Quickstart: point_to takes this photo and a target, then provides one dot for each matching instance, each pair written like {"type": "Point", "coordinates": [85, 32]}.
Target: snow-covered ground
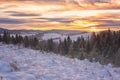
{"type": "Point", "coordinates": [57, 36]}
{"type": "Point", "coordinates": [84, 35]}
{"type": "Point", "coordinates": [25, 64]}
{"type": "Point", "coordinates": [47, 36]}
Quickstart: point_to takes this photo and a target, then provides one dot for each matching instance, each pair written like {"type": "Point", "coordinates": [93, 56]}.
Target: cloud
{"type": "Point", "coordinates": [61, 20]}
{"type": "Point", "coordinates": [101, 20]}
{"type": "Point", "coordinates": [21, 14]}
{"type": "Point", "coordinates": [107, 23]}
{"type": "Point", "coordinates": [69, 4]}
{"type": "Point", "coordinates": [104, 20]}
{"type": "Point", "coordinates": [3, 6]}
{"type": "Point", "coordinates": [11, 21]}
{"type": "Point", "coordinates": [98, 1]}
{"type": "Point", "coordinates": [69, 14]}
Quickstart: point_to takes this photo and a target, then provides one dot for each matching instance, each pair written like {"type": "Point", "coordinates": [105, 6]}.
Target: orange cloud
{"type": "Point", "coordinates": [60, 14]}
{"type": "Point", "coordinates": [66, 4]}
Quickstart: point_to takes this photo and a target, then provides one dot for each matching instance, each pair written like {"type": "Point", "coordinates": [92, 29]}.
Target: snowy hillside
{"type": "Point", "coordinates": [21, 32]}
{"type": "Point", "coordinates": [25, 64]}
{"type": "Point", "coordinates": [57, 36]}
{"type": "Point", "coordinates": [53, 36]}
{"type": "Point", "coordinates": [64, 31]}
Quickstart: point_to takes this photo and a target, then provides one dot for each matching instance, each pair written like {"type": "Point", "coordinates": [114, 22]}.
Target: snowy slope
{"type": "Point", "coordinates": [57, 36]}
{"type": "Point", "coordinates": [25, 64]}
{"type": "Point", "coordinates": [21, 32]}
{"type": "Point", "coordinates": [84, 35]}
{"type": "Point", "coordinates": [47, 36]}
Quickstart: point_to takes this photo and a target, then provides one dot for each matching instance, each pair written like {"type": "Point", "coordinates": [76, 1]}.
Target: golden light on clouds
{"type": "Point", "coordinates": [94, 29]}
{"type": "Point", "coordinates": [87, 15]}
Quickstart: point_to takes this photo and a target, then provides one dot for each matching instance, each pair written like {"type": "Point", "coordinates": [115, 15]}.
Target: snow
{"type": "Point", "coordinates": [56, 36]}
{"type": "Point", "coordinates": [34, 65]}
{"type": "Point", "coordinates": [4, 67]}
{"type": "Point", "coordinates": [85, 36]}
{"type": "Point", "coordinates": [52, 35]}
{"type": "Point", "coordinates": [18, 76]}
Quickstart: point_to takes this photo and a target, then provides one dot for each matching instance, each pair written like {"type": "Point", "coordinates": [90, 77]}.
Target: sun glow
{"type": "Point", "coordinates": [95, 29]}
{"type": "Point", "coordinates": [83, 23]}
{"type": "Point", "coordinates": [58, 14]}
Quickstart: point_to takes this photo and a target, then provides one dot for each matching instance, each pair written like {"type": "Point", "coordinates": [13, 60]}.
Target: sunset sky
{"type": "Point", "coordinates": [87, 15]}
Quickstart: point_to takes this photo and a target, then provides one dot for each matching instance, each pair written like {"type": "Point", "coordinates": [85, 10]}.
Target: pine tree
{"type": "Point", "coordinates": [50, 45]}
{"type": "Point", "coordinates": [59, 46]}
{"type": "Point", "coordinates": [0, 38]}
{"type": "Point", "coordinates": [6, 37]}
{"type": "Point", "coordinates": [117, 58]}
{"type": "Point", "coordinates": [16, 39]}
{"type": "Point", "coordinates": [65, 47]}
{"type": "Point", "coordinates": [35, 43]}
{"type": "Point", "coordinates": [88, 47]}
{"type": "Point", "coordinates": [26, 41]}
{"type": "Point", "coordinates": [20, 39]}
{"type": "Point", "coordinates": [13, 40]}
{"type": "Point", "coordinates": [69, 41]}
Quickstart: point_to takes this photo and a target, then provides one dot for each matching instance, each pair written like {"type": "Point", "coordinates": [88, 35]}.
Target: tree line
{"type": "Point", "coordinates": [103, 46]}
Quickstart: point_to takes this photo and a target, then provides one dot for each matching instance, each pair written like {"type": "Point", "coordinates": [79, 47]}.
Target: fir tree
{"type": "Point", "coordinates": [0, 38]}
{"type": "Point", "coordinates": [26, 41]}
{"type": "Point", "coordinates": [50, 45]}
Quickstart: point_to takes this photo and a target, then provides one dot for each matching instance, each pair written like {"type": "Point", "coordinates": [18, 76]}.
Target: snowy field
{"type": "Point", "coordinates": [26, 64]}
{"type": "Point", "coordinates": [57, 36]}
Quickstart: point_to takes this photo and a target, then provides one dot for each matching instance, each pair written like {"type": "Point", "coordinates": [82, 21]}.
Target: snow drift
{"type": "Point", "coordinates": [34, 65]}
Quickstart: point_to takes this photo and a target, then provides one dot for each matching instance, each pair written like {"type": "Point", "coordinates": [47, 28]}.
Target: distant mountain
{"type": "Point", "coordinates": [65, 32]}
{"type": "Point", "coordinates": [22, 32]}
{"type": "Point", "coordinates": [2, 30]}
{"type": "Point", "coordinates": [61, 34]}
{"type": "Point", "coordinates": [38, 33]}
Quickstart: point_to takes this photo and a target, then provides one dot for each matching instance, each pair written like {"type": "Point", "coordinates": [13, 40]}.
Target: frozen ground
{"type": "Point", "coordinates": [25, 64]}
{"type": "Point", "coordinates": [57, 36]}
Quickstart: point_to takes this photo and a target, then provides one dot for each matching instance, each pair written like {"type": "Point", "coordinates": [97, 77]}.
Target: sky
{"type": "Point", "coordinates": [86, 15]}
